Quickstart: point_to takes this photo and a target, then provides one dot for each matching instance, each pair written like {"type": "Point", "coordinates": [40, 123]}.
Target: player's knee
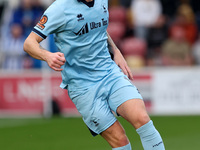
{"type": "Point", "coordinates": [141, 120]}
{"type": "Point", "coordinates": [122, 140]}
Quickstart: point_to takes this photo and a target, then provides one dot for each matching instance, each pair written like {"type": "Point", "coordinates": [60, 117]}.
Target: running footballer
{"type": "Point", "coordinates": [96, 84]}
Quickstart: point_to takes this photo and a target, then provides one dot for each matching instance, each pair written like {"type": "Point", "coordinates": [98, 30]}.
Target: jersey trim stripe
{"type": "Point", "coordinates": [39, 33]}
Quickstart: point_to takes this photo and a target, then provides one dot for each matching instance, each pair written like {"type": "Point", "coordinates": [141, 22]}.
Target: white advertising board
{"type": "Point", "coordinates": [176, 91]}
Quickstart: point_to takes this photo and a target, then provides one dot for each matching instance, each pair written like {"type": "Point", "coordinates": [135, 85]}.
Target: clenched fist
{"type": "Point", "coordinates": [55, 60]}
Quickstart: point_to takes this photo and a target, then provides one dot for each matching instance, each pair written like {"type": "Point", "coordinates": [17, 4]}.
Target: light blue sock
{"type": "Point", "coordinates": [150, 137]}
{"type": "Point", "coordinates": [126, 147]}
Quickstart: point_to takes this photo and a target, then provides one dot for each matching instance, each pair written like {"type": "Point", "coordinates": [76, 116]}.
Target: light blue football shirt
{"type": "Point", "coordinates": [80, 33]}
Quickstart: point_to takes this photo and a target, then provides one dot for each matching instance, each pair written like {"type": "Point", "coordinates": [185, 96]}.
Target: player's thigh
{"type": "Point", "coordinates": [123, 94]}
{"type": "Point", "coordinates": [134, 111]}
{"type": "Point", "coordinates": [94, 108]}
{"type": "Point", "coordinates": [115, 135]}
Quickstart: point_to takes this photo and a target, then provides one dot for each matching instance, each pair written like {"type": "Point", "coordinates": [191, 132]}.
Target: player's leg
{"type": "Point", "coordinates": [97, 115]}
{"type": "Point", "coordinates": [116, 137]}
{"type": "Point", "coordinates": [134, 111]}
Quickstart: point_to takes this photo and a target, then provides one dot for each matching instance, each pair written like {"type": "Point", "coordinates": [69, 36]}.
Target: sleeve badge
{"type": "Point", "coordinates": [41, 23]}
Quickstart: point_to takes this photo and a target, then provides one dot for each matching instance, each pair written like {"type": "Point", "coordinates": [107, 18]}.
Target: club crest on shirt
{"type": "Point", "coordinates": [41, 23]}
{"type": "Point", "coordinates": [104, 8]}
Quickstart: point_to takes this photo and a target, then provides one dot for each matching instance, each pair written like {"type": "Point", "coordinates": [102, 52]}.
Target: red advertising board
{"type": "Point", "coordinates": [25, 93]}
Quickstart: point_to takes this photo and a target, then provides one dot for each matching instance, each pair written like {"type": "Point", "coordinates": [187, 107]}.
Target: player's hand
{"type": "Point", "coordinates": [121, 62]}
{"type": "Point", "coordinates": [55, 60]}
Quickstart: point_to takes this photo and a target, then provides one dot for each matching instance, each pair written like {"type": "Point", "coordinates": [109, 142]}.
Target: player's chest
{"type": "Point", "coordinates": [84, 19]}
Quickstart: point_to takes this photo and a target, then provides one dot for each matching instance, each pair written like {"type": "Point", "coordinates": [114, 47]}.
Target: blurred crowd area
{"type": "Point", "coordinates": [148, 32]}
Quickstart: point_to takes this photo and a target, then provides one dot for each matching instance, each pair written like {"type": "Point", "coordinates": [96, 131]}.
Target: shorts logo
{"type": "Point", "coordinates": [95, 121]}
{"type": "Point", "coordinates": [42, 21]}
{"type": "Point", "coordinates": [138, 91]}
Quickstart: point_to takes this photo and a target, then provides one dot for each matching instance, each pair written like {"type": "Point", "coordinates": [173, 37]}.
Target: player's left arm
{"type": "Point", "coordinates": [118, 58]}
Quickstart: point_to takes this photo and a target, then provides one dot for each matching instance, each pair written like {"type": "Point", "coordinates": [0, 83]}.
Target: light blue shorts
{"type": "Point", "coordinates": [97, 104]}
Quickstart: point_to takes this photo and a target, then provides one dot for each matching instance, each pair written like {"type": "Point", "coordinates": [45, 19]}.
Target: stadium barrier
{"type": "Point", "coordinates": [27, 94]}
{"type": "Point", "coordinates": [166, 91]}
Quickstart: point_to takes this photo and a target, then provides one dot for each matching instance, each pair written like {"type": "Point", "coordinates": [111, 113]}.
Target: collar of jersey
{"type": "Point", "coordinates": [89, 4]}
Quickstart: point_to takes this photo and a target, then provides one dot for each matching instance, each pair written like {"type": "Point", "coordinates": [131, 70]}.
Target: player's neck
{"type": "Point", "coordinates": [88, 0]}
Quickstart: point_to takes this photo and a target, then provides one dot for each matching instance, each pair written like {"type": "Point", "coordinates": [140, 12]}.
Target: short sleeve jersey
{"type": "Point", "coordinates": [80, 33]}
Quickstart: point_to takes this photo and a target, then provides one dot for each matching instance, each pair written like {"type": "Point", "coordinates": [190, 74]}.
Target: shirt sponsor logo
{"type": "Point", "coordinates": [92, 26]}
{"type": "Point", "coordinates": [83, 30]}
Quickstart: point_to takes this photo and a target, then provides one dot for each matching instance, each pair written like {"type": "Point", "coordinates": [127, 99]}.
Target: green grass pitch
{"type": "Point", "coordinates": [178, 133]}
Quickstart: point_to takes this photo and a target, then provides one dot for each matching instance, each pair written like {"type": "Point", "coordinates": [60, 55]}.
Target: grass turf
{"type": "Point", "coordinates": [178, 133]}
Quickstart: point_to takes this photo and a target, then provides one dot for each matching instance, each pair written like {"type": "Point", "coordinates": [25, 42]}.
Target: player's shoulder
{"type": "Point", "coordinates": [58, 3]}
{"type": "Point", "coordinates": [61, 5]}
{"type": "Point", "coordinates": [64, 3]}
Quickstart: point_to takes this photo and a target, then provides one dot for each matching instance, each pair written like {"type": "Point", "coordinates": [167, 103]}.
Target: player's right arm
{"type": "Point", "coordinates": [52, 21]}
{"type": "Point", "coordinates": [33, 48]}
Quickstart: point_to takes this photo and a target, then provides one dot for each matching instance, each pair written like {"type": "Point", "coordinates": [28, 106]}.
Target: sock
{"type": "Point", "coordinates": [126, 147]}
{"type": "Point", "coordinates": [150, 137]}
